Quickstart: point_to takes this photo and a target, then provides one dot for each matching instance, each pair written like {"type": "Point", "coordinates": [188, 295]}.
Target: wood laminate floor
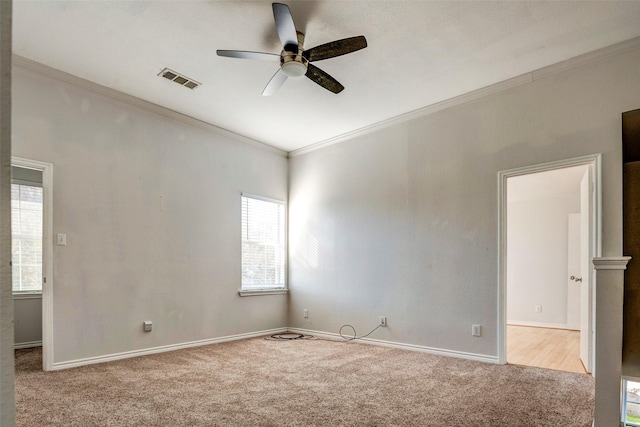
{"type": "Point", "coordinates": [557, 349]}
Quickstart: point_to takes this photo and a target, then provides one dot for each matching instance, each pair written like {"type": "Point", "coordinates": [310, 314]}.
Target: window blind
{"type": "Point", "coordinates": [263, 244]}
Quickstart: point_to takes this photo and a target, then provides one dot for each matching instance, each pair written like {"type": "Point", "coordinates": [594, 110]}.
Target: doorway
{"type": "Point", "coordinates": [32, 254]}
{"type": "Point", "coordinates": [548, 228]}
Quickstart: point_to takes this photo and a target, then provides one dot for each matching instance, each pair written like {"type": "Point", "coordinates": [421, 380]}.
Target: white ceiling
{"type": "Point", "coordinates": [419, 53]}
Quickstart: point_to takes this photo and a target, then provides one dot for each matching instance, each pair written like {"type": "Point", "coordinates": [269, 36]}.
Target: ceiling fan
{"type": "Point", "coordinates": [294, 60]}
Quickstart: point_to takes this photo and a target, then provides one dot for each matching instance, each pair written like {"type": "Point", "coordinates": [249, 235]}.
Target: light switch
{"type": "Point", "coordinates": [61, 239]}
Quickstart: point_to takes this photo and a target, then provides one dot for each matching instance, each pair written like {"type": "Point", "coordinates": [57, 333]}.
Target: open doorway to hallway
{"type": "Point", "coordinates": [547, 232]}
{"type": "Point", "coordinates": [31, 218]}
{"type": "Point", "coordinates": [26, 255]}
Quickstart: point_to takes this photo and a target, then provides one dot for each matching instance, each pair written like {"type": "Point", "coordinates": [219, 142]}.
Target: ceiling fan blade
{"type": "Point", "coordinates": [323, 79]}
{"type": "Point", "coordinates": [285, 27]}
{"type": "Point", "coordinates": [260, 56]}
{"type": "Point", "coordinates": [274, 84]}
{"type": "Point", "coordinates": [335, 48]}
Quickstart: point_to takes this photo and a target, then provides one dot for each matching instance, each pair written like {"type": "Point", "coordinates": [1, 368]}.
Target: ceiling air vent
{"type": "Point", "coordinates": [179, 78]}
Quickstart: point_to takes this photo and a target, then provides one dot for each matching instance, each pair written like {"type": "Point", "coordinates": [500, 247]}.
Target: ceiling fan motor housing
{"type": "Point", "coordinates": [293, 64]}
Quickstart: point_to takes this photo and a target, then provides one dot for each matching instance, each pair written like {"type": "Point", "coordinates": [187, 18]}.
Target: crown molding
{"type": "Point", "coordinates": [28, 64]}
{"type": "Point", "coordinates": [599, 55]}
{"type": "Point", "coordinates": [595, 56]}
{"type": "Point", "coordinates": [588, 58]}
{"type": "Point", "coordinates": [421, 112]}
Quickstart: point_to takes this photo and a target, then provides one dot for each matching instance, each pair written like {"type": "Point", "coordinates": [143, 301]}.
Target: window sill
{"type": "Point", "coordinates": [263, 292]}
{"type": "Point", "coordinates": [27, 295]}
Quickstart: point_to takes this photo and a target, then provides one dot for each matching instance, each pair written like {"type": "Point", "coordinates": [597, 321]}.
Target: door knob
{"type": "Point", "coordinates": [577, 279]}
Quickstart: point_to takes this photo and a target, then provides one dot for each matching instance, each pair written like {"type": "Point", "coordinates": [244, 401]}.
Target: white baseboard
{"type": "Point", "coordinates": [28, 344]}
{"type": "Point", "coordinates": [540, 325]}
{"type": "Point", "coordinates": [135, 353]}
{"type": "Point", "coordinates": [154, 350]}
{"type": "Point", "coordinates": [431, 350]}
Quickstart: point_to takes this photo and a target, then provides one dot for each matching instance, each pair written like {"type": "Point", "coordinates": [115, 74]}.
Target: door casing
{"type": "Point", "coordinates": [47, 254]}
{"type": "Point", "coordinates": [594, 162]}
{"type": "Point", "coordinates": [587, 295]}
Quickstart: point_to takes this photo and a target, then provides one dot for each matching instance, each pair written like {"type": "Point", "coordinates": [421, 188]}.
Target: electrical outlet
{"type": "Point", "coordinates": [476, 330]}
{"type": "Point", "coordinates": [147, 325]}
{"type": "Point", "coordinates": [538, 309]}
{"type": "Point", "coordinates": [306, 313]}
{"type": "Point", "coordinates": [383, 321]}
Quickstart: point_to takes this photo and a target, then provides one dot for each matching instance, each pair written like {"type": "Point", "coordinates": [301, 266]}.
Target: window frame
{"type": "Point", "coordinates": [274, 290]}
{"type": "Point", "coordinates": [27, 293]}
{"type": "Point", "coordinates": [625, 381]}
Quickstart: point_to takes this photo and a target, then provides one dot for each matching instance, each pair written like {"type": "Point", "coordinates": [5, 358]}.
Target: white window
{"type": "Point", "coordinates": [263, 244]}
{"type": "Point", "coordinates": [631, 403]}
{"type": "Point", "coordinates": [26, 238]}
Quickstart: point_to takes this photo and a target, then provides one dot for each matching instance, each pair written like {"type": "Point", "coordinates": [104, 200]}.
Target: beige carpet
{"type": "Point", "coordinates": [258, 382]}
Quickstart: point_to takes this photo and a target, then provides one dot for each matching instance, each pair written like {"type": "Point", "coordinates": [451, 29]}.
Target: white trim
{"type": "Point", "coordinates": [595, 162]}
{"type": "Point", "coordinates": [274, 290]}
{"type": "Point", "coordinates": [540, 325]}
{"type": "Point", "coordinates": [264, 199]}
{"type": "Point", "coordinates": [40, 68]}
{"type": "Point", "coordinates": [412, 347]}
{"type": "Point", "coordinates": [257, 292]}
{"type": "Point", "coordinates": [558, 164]}
{"type": "Point", "coordinates": [421, 112]}
{"type": "Point", "coordinates": [602, 54]}
{"type": "Point", "coordinates": [611, 263]}
{"type": "Point", "coordinates": [27, 295]}
{"type": "Point", "coordinates": [608, 339]}
{"type": "Point", "coordinates": [162, 349]}
{"type": "Point", "coordinates": [28, 344]}
{"type": "Point", "coordinates": [539, 74]}
{"type": "Point", "coordinates": [588, 58]}
{"type": "Point", "coordinates": [623, 398]}
{"type": "Point", "coordinates": [47, 254]}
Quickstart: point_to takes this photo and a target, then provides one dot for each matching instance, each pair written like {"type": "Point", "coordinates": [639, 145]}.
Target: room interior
{"type": "Point", "coordinates": [543, 261]}
{"type": "Point", "coordinates": [391, 186]}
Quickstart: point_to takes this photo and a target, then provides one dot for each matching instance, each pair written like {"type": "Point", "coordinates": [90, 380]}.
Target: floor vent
{"type": "Point", "coordinates": [179, 78]}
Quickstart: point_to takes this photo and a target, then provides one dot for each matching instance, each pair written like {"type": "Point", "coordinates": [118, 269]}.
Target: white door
{"type": "Point", "coordinates": [574, 272]}
{"type": "Point", "coordinates": [586, 300]}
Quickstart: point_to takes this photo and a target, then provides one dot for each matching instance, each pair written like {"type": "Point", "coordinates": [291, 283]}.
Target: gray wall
{"type": "Point", "coordinates": [400, 222]}
{"type": "Point", "coordinates": [27, 318]}
{"type": "Point", "coordinates": [151, 209]}
{"type": "Point", "coordinates": [403, 221]}
{"type": "Point", "coordinates": [537, 258]}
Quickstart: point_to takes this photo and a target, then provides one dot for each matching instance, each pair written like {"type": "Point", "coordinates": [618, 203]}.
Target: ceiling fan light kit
{"type": "Point", "coordinates": [294, 60]}
{"type": "Point", "coordinates": [294, 69]}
